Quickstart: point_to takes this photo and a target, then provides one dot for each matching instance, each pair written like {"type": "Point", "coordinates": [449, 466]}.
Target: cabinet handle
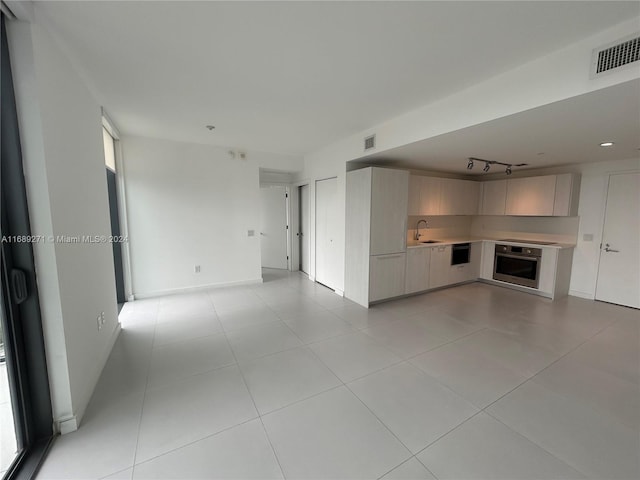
{"type": "Point", "coordinates": [395, 255]}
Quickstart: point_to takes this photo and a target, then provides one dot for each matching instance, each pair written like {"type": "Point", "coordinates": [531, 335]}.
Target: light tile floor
{"type": "Point", "coordinates": [288, 380]}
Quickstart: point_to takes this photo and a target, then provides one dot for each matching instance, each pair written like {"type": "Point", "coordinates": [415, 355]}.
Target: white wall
{"type": "Point", "coordinates": [191, 205]}
{"type": "Point", "coordinates": [558, 76]}
{"type": "Point", "coordinates": [61, 134]}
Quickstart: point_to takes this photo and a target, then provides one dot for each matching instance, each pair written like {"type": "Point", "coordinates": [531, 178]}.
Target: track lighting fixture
{"type": "Point", "coordinates": [488, 163]}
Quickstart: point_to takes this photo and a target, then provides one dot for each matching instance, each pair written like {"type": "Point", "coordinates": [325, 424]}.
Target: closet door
{"type": "Point", "coordinates": [326, 228]}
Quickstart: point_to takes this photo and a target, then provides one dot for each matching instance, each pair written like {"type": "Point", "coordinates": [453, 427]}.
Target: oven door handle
{"type": "Point", "coordinates": [518, 257]}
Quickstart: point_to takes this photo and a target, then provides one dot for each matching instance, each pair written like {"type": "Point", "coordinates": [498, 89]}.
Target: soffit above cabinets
{"type": "Point", "coordinates": [561, 133]}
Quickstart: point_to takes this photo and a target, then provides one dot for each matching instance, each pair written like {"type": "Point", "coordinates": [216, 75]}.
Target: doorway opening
{"type": "Point", "coordinates": [109, 141]}
{"type": "Point", "coordinates": [303, 228]}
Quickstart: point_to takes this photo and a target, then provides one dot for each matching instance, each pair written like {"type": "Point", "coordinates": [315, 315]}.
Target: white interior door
{"type": "Point", "coordinates": [273, 227]}
{"type": "Point", "coordinates": [326, 258]}
{"type": "Point", "coordinates": [618, 274]}
{"type": "Point", "coordinates": [303, 234]}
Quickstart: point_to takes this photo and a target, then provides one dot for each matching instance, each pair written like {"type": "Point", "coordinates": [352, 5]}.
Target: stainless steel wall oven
{"type": "Point", "coordinates": [517, 265]}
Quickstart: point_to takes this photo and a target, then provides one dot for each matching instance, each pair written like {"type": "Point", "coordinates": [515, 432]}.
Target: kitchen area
{"type": "Point", "coordinates": [408, 233]}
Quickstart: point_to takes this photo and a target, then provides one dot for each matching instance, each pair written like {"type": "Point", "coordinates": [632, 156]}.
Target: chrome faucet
{"type": "Point", "coordinates": [426, 225]}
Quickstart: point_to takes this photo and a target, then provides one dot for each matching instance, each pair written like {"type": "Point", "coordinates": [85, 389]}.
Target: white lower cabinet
{"type": "Point", "coordinates": [386, 276]}
{"type": "Point", "coordinates": [439, 266]}
{"type": "Point", "coordinates": [417, 270]}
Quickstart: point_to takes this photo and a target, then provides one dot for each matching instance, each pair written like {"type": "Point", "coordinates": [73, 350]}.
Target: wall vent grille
{"type": "Point", "coordinates": [617, 55]}
{"type": "Point", "coordinates": [370, 142]}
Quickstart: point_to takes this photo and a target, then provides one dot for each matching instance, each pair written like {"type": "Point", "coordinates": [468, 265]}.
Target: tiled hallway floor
{"type": "Point", "coordinates": [286, 379]}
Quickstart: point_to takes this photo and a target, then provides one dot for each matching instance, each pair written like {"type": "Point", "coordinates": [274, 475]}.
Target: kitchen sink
{"type": "Point", "coordinates": [429, 241]}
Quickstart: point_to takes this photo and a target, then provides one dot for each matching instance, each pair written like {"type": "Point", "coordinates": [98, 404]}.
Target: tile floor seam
{"type": "Point", "coordinates": [383, 424]}
{"type": "Point", "coordinates": [113, 473]}
{"type": "Point", "coordinates": [176, 342]}
{"type": "Point", "coordinates": [193, 442]}
{"type": "Point", "coordinates": [531, 377]}
{"type": "Point", "coordinates": [398, 466]}
{"type": "Point", "coordinates": [539, 446]}
{"type": "Point", "coordinates": [255, 406]}
{"type": "Point", "coordinates": [144, 395]}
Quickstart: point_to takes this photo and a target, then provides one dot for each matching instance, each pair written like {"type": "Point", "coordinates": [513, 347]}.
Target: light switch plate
{"type": "Point", "coordinates": [587, 237]}
{"type": "Point", "coordinates": [251, 233]}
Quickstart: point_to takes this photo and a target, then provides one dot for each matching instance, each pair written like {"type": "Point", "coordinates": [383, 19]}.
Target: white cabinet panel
{"type": "Point", "coordinates": [430, 190]}
{"type": "Point", "coordinates": [567, 192]}
{"type": "Point", "coordinates": [494, 197]}
{"type": "Point", "coordinates": [486, 261]}
{"type": "Point", "coordinates": [389, 194]}
{"type": "Point", "coordinates": [417, 270]}
{"type": "Point", "coordinates": [531, 195]}
{"type": "Point", "coordinates": [439, 266]}
{"type": "Point", "coordinates": [386, 276]}
{"type": "Point", "coordinates": [458, 197]}
{"type": "Point", "coordinates": [415, 185]}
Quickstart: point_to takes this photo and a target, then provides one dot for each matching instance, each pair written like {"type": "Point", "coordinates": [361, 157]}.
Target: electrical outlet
{"type": "Point", "coordinates": [197, 268]}
{"type": "Point", "coordinates": [99, 320]}
{"type": "Point", "coordinates": [102, 318]}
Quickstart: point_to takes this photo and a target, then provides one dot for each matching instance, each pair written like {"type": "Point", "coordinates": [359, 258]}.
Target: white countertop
{"type": "Point", "coordinates": [456, 240]}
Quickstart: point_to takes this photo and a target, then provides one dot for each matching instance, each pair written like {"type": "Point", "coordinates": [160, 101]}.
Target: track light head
{"type": "Point", "coordinates": [470, 164]}
{"type": "Point", "coordinates": [486, 167]}
{"type": "Point", "coordinates": [508, 170]}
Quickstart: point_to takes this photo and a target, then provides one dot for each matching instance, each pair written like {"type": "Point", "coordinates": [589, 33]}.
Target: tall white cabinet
{"type": "Point", "coordinates": [376, 234]}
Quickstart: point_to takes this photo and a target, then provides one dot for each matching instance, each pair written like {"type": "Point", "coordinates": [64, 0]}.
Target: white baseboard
{"type": "Point", "coordinates": [67, 425]}
{"type": "Point", "coordinates": [577, 293]}
{"type": "Point", "coordinates": [198, 288]}
{"type": "Point", "coordinates": [339, 292]}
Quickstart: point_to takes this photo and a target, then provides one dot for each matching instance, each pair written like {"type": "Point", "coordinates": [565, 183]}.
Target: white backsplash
{"type": "Point", "coordinates": [552, 229]}
{"type": "Point", "coordinates": [446, 226]}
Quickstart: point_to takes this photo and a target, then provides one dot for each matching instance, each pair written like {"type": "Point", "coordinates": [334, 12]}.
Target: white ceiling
{"type": "Point", "coordinates": [561, 133]}
{"type": "Point", "coordinates": [290, 77]}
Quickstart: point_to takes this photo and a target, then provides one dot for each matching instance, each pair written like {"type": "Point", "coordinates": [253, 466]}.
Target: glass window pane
{"type": "Point", "coordinates": [109, 150]}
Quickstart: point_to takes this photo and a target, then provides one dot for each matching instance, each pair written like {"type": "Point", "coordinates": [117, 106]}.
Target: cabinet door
{"type": "Point", "coordinates": [417, 270]}
{"type": "Point", "coordinates": [430, 188]}
{"type": "Point", "coordinates": [386, 276]}
{"type": "Point", "coordinates": [458, 197]}
{"type": "Point", "coordinates": [531, 196]}
{"type": "Point", "coordinates": [415, 184]}
{"type": "Point", "coordinates": [389, 195]}
{"type": "Point", "coordinates": [494, 197]}
{"type": "Point", "coordinates": [439, 266]}
{"type": "Point", "coordinates": [487, 258]}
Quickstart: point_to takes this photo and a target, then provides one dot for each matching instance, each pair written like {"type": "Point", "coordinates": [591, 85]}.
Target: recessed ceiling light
{"type": "Point", "coordinates": [210, 127]}
{"type": "Point", "coordinates": [606, 144]}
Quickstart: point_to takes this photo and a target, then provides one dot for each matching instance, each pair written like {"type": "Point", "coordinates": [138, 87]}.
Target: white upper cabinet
{"type": "Point", "coordinates": [531, 196]}
{"type": "Point", "coordinates": [389, 194]}
{"type": "Point", "coordinates": [442, 196]}
{"type": "Point", "coordinates": [494, 197]}
{"type": "Point", "coordinates": [458, 197]}
{"type": "Point", "coordinates": [549, 195]}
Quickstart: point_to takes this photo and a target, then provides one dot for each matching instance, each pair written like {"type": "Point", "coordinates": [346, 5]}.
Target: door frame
{"type": "Point", "coordinates": [295, 222]}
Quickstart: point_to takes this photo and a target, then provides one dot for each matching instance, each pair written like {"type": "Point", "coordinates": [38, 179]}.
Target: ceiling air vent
{"type": "Point", "coordinates": [615, 56]}
{"type": "Point", "coordinates": [370, 142]}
